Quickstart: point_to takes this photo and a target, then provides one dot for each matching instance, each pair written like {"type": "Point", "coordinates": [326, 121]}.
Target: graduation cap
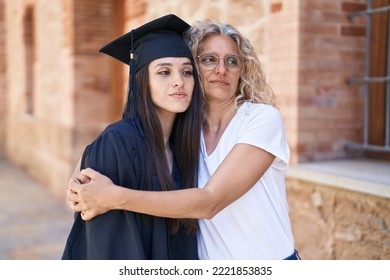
{"type": "Point", "coordinates": [162, 37]}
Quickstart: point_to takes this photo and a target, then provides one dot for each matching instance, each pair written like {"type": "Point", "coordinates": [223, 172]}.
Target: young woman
{"type": "Point", "coordinates": [154, 147]}
{"type": "Point", "coordinates": [241, 195]}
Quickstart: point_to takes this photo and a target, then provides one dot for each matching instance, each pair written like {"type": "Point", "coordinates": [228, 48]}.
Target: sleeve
{"type": "Point", "coordinates": [265, 129]}
{"type": "Point", "coordinates": [110, 155]}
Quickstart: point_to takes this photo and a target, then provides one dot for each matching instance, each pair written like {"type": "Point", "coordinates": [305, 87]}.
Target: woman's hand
{"type": "Point", "coordinates": [91, 193]}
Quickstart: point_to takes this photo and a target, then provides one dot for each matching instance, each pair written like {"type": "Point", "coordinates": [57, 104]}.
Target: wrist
{"type": "Point", "coordinates": [119, 201]}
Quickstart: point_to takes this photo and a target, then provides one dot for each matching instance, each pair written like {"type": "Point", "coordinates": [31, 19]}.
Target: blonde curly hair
{"type": "Point", "coordinates": [252, 86]}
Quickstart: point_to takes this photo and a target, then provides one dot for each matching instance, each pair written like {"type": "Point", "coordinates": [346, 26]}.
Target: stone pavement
{"type": "Point", "coordinates": [33, 223]}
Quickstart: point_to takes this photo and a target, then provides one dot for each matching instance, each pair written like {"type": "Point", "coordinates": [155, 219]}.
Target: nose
{"type": "Point", "coordinates": [178, 81]}
{"type": "Point", "coordinates": [221, 66]}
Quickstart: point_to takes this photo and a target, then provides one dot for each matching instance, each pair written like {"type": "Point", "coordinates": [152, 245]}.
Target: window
{"type": "Point", "coordinates": [28, 36]}
{"type": "Point", "coordinates": [376, 139]}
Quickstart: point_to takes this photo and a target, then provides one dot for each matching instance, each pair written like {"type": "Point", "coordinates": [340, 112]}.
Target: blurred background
{"type": "Point", "coordinates": [327, 61]}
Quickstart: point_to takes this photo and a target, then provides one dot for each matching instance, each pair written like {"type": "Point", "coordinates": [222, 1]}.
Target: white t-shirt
{"type": "Point", "coordinates": [257, 225]}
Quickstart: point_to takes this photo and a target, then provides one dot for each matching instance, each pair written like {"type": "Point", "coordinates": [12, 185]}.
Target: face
{"type": "Point", "coordinates": [171, 83]}
{"type": "Point", "coordinates": [219, 84]}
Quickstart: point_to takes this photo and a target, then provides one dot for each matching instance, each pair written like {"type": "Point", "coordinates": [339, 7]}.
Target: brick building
{"type": "Point", "coordinates": [57, 93]}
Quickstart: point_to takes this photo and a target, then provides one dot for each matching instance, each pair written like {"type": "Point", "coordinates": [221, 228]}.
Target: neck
{"type": "Point", "coordinates": [218, 116]}
{"type": "Point", "coordinates": [217, 120]}
{"type": "Point", "coordinates": [166, 126]}
{"type": "Point", "coordinates": [167, 121]}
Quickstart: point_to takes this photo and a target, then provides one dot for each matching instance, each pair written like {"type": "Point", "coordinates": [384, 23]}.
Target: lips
{"type": "Point", "coordinates": [178, 95]}
{"type": "Point", "coordinates": [223, 82]}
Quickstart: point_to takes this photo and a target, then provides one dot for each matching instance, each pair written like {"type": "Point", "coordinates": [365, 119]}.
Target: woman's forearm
{"type": "Point", "coordinates": [188, 203]}
{"type": "Point", "coordinates": [224, 187]}
{"type": "Point", "coordinates": [100, 195]}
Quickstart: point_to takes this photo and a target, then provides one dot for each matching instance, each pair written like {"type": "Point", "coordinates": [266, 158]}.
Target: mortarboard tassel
{"type": "Point", "coordinates": [132, 93]}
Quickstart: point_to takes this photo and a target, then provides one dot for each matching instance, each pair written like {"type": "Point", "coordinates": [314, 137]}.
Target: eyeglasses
{"type": "Point", "coordinates": [233, 62]}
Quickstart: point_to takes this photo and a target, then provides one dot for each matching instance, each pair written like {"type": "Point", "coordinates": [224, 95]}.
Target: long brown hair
{"type": "Point", "coordinates": [184, 140]}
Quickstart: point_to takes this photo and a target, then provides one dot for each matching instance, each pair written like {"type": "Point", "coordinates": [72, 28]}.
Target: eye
{"type": "Point", "coordinates": [233, 60]}
{"type": "Point", "coordinates": [208, 59]}
{"type": "Point", "coordinates": [164, 72]}
{"type": "Point", "coordinates": [188, 73]}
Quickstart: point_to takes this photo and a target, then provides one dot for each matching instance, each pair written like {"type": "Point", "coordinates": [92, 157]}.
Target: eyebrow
{"type": "Point", "coordinates": [170, 64]}
{"type": "Point", "coordinates": [233, 53]}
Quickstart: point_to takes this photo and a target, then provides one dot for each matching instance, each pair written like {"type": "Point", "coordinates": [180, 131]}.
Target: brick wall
{"type": "Point", "coordinates": [94, 72]}
{"type": "Point", "coordinates": [313, 49]}
{"type": "Point", "coordinates": [331, 51]}
{"type": "Point", "coordinates": [39, 138]}
{"type": "Point", "coordinates": [69, 81]}
{"type": "Point", "coordinates": [282, 54]}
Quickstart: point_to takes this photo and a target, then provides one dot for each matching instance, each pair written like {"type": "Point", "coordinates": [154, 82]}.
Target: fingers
{"type": "Point", "coordinates": [90, 173]}
{"type": "Point", "coordinates": [74, 187]}
{"type": "Point", "coordinates": [86, 216]}
{"type": "Point", "coordinates": [72, 196]}
{"type": "Point", "coordinates": [81, 178]}
{"type": "Point", "coordinates": [74, 203]}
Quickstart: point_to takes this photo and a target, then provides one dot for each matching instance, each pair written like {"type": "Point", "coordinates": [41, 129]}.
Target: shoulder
{"type": "Point", "coordinates": [264, 112]}
{"type": "Point", "coordinates": [114, 152]}
{"type": "Point", "coordinates": [120, 129]}
{"type": "Point", "coordinates": [256, 108]}
{"type": "Point", "coordinates": [121, 126]}
{"type": "Point", "coordinates": [263, 128]}
{"type": "Point", "coordinates": [117, 137]}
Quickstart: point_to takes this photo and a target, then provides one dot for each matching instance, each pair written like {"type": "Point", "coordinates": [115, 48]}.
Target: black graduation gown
{"type": "Point", "coordinates": [119, 153]}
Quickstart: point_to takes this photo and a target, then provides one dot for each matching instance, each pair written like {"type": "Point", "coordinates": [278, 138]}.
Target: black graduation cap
{"type": "Point", "coordinates": [162, 37]}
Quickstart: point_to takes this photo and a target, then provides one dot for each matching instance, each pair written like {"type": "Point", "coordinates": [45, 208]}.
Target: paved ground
{"type": "Point", "coordinates": [33, 223]}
